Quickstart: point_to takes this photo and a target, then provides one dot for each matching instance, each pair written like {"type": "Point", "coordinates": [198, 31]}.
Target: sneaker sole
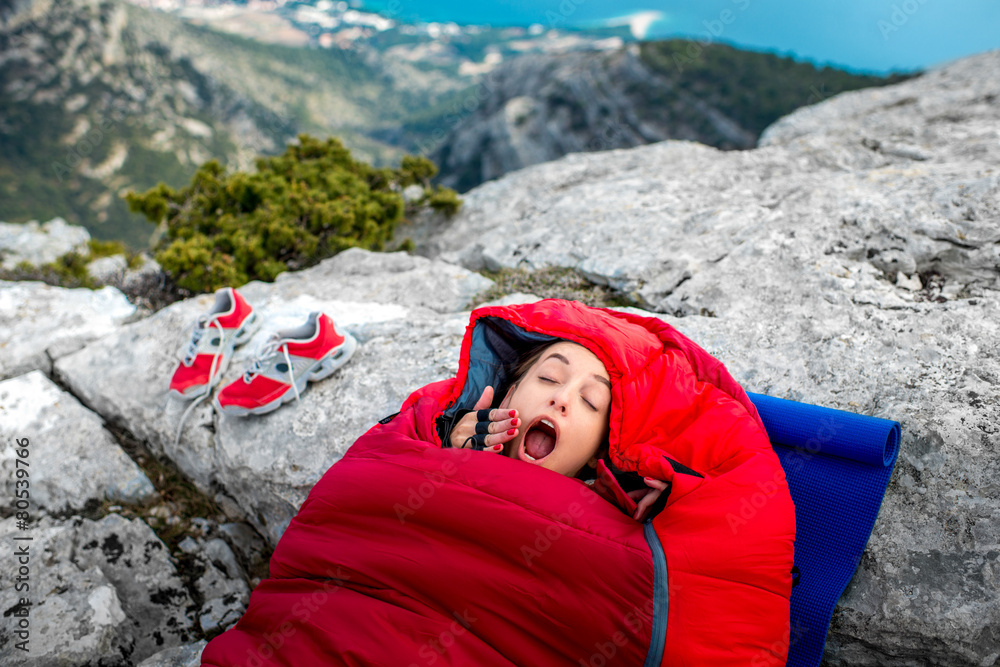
{"type": "Point", "coordinates": [322, 369]}
{"type": "Point", "coordinates": [250, 327]}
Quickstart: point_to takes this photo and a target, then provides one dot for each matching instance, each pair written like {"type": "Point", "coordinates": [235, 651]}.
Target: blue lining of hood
{"type": "Point", "coordinates": [497, 345]}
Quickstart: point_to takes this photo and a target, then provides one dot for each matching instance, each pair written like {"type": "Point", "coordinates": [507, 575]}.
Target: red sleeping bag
{"type": "Point", "coordinates": [406, 553]}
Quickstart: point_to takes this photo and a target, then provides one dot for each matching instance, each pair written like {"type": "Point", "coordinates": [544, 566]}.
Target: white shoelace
{"type": "Point", "coordinates": [270, 348]}
{"type": "Point", "coordinates": [200, 329]}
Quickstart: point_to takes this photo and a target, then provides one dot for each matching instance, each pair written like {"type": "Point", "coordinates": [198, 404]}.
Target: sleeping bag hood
{"type": "Point", "coordinates": [408, 552]}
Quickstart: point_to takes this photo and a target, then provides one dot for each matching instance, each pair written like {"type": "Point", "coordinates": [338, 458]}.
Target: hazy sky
{"type": "Point", "coordinates": [871, 35]}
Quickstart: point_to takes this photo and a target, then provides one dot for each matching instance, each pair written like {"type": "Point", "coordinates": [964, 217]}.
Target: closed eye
{"type": "Point", "coordinates": [590, 405]}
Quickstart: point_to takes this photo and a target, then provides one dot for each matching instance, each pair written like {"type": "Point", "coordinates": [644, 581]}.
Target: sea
{"type": "Point", "coordinates": [646, 21]}
{"type": "Point", "coordinates": [871, 36]}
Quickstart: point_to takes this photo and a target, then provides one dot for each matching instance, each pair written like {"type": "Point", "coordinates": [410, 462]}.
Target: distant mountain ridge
{"type": "Point", "coordinates": [543, 107]}
{"type": "Point", "coordinates": [101, 96]}
{"type": "Point", "coordinates": [89, 111]}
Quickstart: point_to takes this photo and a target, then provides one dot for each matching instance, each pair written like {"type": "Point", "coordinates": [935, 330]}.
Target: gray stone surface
{"type": "Point", "coordinates": [74, 462]}
{"type": "Point", "coordinates": [38, 244]}
{"type": "Point", "coordinates": [247, 545]}
{"type": "Point", "coordinates": [116, 272]}
{"type": "Point", "coordinates": [108, 269]}
{"type": "Point", "coordinates": [180, 656]}
{"type": "Point", "coordinates": [222, 583]}
{"type": "Point", "coordinates": [155, 600]}
{"type": "Point", "coordinates": [101, 592]}
{"type": "Point", "coordinates": [40, 323]}
{"type": "Point", "coordinates": [269, 463]}
{"type": "Point", "coordinates": [75, 614]}
{"type": "Point", "coordinates": [852, 262]}
{"type": "Point", "coordinates": [390, 278]}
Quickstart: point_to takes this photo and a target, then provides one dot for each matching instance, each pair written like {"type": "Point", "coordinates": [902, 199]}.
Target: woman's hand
{"type": "Point", "coordinates": [646, 497]}
{"type": "Point", "coordinates": [499, 428]}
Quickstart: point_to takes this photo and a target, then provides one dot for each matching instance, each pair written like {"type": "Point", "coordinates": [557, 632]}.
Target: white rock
{"type": "Point", "coordinates": [101, 592]}
{"type": "Point", "coordinates": [370, 277]}
{"type": "Point", "coordinates": [222, 583]}
{"type": "Point", "coordinates": [911, 283]}
{"type": "Point", "coordinates": [65, 627]}
{"type": "Point", "coordinates": [188, 655]}
{"type": "Point", "coordinates": [135, 561]}
{"type": "Point", "coordinates": [40, 323]}
{"type": "Point", "coordinates": [107, 608]}
{"type": "Point", "coordinates": [108, 269]}
{"type": "Point", "coordinates": [39, 244]}
{"type": "Point", "coordinates": [413, 192]}
{"type": "Point", "coordinates": [74, 461]}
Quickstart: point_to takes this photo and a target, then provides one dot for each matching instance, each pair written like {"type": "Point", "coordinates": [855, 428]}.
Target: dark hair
{"type": "Point", "coordinates": [529, 359]}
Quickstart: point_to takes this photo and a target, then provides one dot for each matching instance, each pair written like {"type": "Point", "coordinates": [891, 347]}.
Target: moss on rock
{"type": "Point", "coordinates": [550, 283]}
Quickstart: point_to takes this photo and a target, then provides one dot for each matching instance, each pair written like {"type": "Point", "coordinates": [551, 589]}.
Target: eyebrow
{"type": "Point", "coordinates": [556, 355]}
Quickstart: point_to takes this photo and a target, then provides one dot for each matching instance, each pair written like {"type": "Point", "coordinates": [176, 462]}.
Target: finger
{"type": "Point", "coordinates": [500, 414]}
{"type": "Point", "coordinates": [647, 501]}
{"type": "Point", "coordinates": [504, 424]}
{"type": "Point", "coordinates": [486, 400]}
{"type": "Point", "coordinates": [494, 449]}
{"type": "Point", "coordinates": [641, 507]}
{"type": "Point", "coordinates": [655, 483]}
{"type": "Point", "coordinates": [477, 441]}
{"type": "Point", "coordinates": [501, 438]}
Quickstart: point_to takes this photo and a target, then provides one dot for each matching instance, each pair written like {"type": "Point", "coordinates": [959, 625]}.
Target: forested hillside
{"type": "Point", "coordinates": [102, 97]}
{"type": "Point", "coordinates": [544, 106]}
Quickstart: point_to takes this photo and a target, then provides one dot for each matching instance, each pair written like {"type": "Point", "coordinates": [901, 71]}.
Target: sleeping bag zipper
{"type": "Point", "coordinates": [661, 602]}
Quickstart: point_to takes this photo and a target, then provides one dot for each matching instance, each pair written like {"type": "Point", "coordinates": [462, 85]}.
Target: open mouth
{"type": "Point", "coordinates": [539, 440]}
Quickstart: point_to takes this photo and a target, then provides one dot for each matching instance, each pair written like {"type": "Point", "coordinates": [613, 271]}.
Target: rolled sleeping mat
{"type": "Point", "coordinates": [837, 465]}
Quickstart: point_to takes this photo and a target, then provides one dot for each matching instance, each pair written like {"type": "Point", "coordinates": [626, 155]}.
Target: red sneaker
{"type": "Point", "coordinates": [288, 361]}
{"type": "Point", "coordinates": [231, 322]}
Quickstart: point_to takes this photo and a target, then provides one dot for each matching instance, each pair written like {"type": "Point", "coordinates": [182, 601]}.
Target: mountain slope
{"type": "Point", "coordinates": [543, 107]}
{"type": "Point", "coordinates": [89, 112]}
{"type": "Point", "coordinates": [99, 96]}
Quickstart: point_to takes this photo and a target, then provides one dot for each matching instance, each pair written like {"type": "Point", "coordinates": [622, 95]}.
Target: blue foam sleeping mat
{"type": "Point", "coordinates": [838, 465]}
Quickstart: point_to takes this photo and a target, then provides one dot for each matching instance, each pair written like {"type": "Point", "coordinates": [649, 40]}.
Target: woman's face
{"type": "Point", "coordinates": [563, 402]}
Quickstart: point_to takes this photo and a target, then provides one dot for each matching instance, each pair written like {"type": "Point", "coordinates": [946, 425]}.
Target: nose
{"type": "Point", "coordinates": [560, 399]}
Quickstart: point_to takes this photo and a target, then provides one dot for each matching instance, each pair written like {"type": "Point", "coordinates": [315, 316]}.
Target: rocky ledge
{"type": "Point", "coordinates": [851, 261]}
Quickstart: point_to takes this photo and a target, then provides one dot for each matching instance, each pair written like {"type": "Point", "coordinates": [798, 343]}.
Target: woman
{"type": "Point", "coordinates": [564, 392]}
{"type": "Point", "coordinates": [410, 552]}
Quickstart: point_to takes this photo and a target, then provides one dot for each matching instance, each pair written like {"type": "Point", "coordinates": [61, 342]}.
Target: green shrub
{"type": "Point", "coordinates": [416, 170]}
{"type": "Point", "coordinates": [69, 270]}
{"type": "Point", "coordinates": [442, 199]}
{"type": "Point", "coordinates": [314, 201]}
{"type": "Point", "coordinates": [105, 248]}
